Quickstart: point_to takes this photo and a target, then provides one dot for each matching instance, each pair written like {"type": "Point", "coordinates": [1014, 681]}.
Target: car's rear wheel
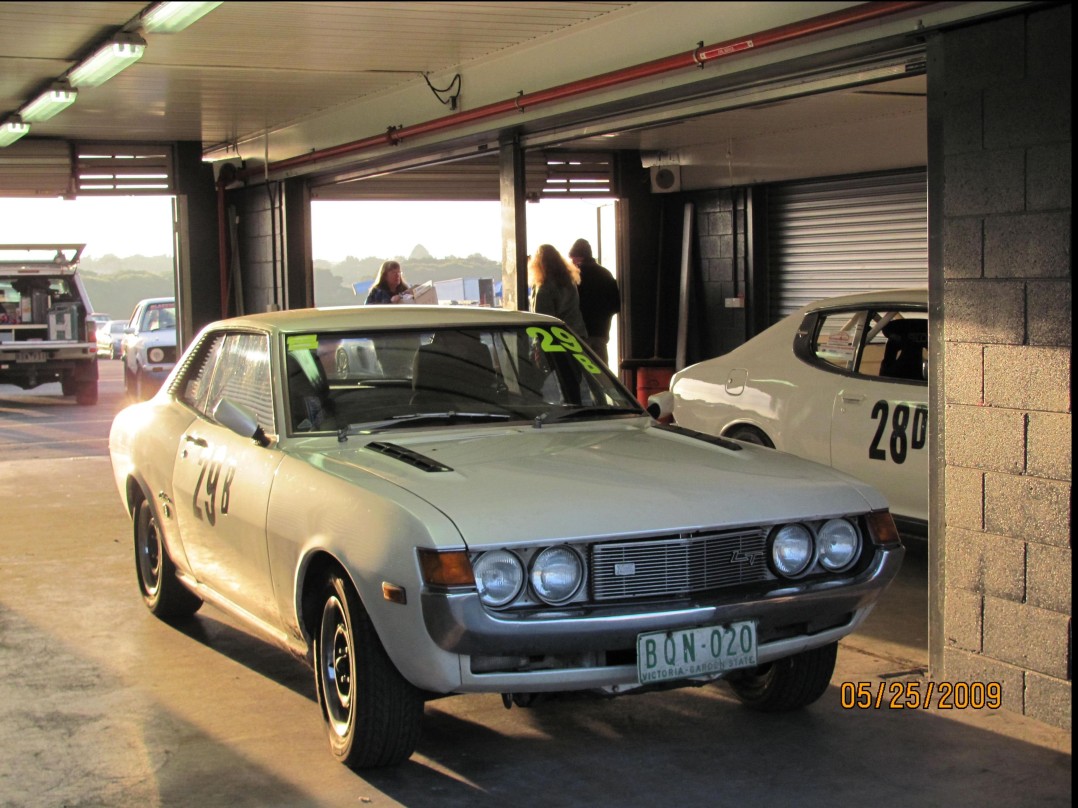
{"type": "Point", "coordinates": [372, 713]}
{"type": "Point", "coordinates": [86, 393]}
{"type": "Point", "coordinates": [786, 684]}
{"type": "Point", "coordinates": [749, 434]}
{"type": "Point", "coordinates": [162, 591]}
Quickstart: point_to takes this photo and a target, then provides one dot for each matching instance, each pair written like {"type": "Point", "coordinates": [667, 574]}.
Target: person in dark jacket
{"type": "Point", "coordinates": [600, 298]}
{"type": "Point", "coordinates": [389, 286]}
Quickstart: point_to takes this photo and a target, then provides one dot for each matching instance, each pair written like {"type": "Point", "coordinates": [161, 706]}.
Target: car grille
{"type": "Point", "coordinates": [678, 565]}
{"type": "Point", "coordinates": [170, 353]}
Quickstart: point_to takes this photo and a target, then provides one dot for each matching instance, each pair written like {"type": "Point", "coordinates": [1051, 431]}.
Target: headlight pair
{"type": "Point", "coordinates": [836, 544]}
{"type": "Point", "coordinates": [555, 574]}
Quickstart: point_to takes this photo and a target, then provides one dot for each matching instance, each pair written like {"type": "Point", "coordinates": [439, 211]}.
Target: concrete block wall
{"type": "Point", "coordinates": [721, 247]}
{"type": "Point", "coordinates": [261, 248]}
{"type": "Point", "coordinates": [1006, 305]}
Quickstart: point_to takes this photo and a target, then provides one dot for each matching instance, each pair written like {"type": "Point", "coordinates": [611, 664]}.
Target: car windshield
{"type": "Point", "coordinates": [375, 381]}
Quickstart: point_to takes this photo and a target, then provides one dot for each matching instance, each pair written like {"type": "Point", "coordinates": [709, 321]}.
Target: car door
{"type": "Point", "coordinates": [222, 480]}
{"type": "Point", "coordinates": [879, 426]}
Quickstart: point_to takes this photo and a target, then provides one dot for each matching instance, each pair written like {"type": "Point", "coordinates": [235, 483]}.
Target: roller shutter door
{"type": "Point", "coordinates": [846, 235]}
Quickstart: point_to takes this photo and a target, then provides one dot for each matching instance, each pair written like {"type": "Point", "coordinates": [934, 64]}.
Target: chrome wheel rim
{"type": "Point", "coordinates": [338, 671]}
{"type": "Point", "coordinates": [149, 557]}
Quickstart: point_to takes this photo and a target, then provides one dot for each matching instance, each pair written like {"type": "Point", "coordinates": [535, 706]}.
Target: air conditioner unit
{"type": "Point", "coordinates": [665, 179]}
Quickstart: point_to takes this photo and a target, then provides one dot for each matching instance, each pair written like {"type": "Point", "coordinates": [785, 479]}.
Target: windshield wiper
{"type": "Point", "coordinates": [575, 413]}
{"type": "Point", "coordinates": [418, 418]}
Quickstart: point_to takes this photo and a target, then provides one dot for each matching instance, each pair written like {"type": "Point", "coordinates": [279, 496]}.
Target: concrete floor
{"type": "Point", "coordinates": [103, 705]}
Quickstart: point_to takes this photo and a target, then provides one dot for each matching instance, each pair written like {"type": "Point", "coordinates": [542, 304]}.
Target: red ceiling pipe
{"type": "Point", "coordinates": [694, 58]}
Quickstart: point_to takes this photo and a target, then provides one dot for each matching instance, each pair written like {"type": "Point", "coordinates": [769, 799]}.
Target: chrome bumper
{"type": "Point", "coordinates": [790, 618]}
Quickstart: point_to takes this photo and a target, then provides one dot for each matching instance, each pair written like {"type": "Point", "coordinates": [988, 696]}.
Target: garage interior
{"type": "Point", "coordinates": [701, 142]}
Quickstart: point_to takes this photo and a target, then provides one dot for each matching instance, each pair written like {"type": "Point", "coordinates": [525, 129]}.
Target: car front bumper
{"type": "Point", "coordinates": [594, 648]}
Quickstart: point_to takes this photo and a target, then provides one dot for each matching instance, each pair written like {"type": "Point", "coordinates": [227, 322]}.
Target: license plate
{"type": "Point", "coordinates": [30, 356]}
{"type": "Point", "coordinates": [663, 656]}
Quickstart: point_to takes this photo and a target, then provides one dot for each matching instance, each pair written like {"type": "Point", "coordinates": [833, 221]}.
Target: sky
{"type": "Point", "coordinates": [125, 226]}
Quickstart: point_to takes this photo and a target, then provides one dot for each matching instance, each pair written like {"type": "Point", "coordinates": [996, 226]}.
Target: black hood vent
{"type": "Point", "coordinates": [421, 462]}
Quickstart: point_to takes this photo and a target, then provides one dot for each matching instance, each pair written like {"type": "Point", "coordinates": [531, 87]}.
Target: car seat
{"type": "Point", "coordinates": [453, 372]}
{"type": "Point", "coordinates": [903, 357]}
{"type": "Point", "coordinates": [307, 393]}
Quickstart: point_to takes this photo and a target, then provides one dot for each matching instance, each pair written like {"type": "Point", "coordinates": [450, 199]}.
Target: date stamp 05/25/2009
{"type": "Point", "coordinates": [911, 695]}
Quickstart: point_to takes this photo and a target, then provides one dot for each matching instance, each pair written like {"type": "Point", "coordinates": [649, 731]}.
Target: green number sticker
{"type": "Point", "coordinates": [303, 342]}
{"type": "Point", "coordinates": [559, 340]}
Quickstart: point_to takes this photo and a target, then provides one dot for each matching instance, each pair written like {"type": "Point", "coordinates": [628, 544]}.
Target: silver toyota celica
{"type": "Point", "coordinates": [422, 501]}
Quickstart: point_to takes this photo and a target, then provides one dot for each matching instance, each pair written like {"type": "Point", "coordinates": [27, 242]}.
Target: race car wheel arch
{"type": "Point", "coordinates": [786, 684]}
{"type": "Point", "coordinates": [372, 714]}
{"type": "Point", "coordinates": [749, 434]}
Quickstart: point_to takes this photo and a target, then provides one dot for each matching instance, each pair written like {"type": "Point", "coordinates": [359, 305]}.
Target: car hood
{"type": "Point", "coordinates": [619, 478]}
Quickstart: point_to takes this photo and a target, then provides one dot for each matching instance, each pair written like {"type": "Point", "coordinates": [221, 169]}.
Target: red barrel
{"type": "Point", "coordinates": [650, 381]}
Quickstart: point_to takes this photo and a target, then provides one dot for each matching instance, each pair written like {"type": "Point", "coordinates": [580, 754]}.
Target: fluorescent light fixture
{"type": "Point", "coordinates": [168, 18]}
{"type": "Point", "coordinates": [56, 99]}
{"type": "Point", "coordinates": [120, 52]}
{"type": "Point", "coordinates": [11, 130]}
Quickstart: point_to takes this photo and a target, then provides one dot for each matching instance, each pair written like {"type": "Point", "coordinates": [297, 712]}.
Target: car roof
{"type": "Point", "coordinates": [407, 316]}
{"type": "Point", "coordinates": [885, 297]}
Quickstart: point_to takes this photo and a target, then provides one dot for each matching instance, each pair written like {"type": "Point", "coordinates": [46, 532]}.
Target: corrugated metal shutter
{"type": "Point", "coordinates": [841, 236]}
{"type": "Point", "coordinates": [36, 168]}
{"type": "Point", "coordinates": [549, 175]}
{"type": "Point", "coordinates": [110, 169]}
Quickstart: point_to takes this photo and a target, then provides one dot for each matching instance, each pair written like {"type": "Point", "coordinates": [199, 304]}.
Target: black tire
{"type": "Point", "coordinates": [86, 393]}
{"type": "Point", "coordinates": [68, 385]}
{"type": "Point", "coordinates": [162, 591]}
{"type": "Point", "coordinates": [749, 434]}
{"type": "Point", "coordinates": [129, 382]}
{"type": "Point", "coordinates": [372, 713]}
{"type": "Point", "coordinates": [786, 684]}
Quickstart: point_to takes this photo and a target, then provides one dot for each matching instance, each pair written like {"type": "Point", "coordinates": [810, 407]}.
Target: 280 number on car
{"type": "Point", "coordinates": [908, 431]}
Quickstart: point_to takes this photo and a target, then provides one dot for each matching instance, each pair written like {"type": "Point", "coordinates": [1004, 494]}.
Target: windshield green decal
{"type": "Point", "coordinates": [559, 340]}
{"type": "Point", "coordinates": [303, 342]}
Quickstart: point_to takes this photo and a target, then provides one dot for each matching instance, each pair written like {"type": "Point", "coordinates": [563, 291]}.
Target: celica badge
{"type": "Point", "coordinates": [625, 568]}
{"type": "Point", "coordinates": [742, 557]}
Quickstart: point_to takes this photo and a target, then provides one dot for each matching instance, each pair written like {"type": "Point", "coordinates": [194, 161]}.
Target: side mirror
{"type": "Point", "coordinates": [240, 420]}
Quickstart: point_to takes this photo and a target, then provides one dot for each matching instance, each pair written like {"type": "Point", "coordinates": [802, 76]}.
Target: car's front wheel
{"type": "Point", "coordinates": [162, 591]}
{"type": "Point", "coordinates": [786, 684]}
{"type": "Point", "coordinates": [372, 713]}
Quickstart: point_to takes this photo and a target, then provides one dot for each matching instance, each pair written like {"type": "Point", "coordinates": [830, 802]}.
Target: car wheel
{"type": "Point", "coordinates": [86, 393]}
{"type": "Point", "coordinates": [786, 684]}
{"type": "Point", "coordinates": [129, 380]}
{"type": "Point", "coordinates": [68, 385]}
{"type": "Point", "coordinates": [749, 434]}
{"type": "Point", "coordinates": [372, 713]}
{"type": "Point", "coordinates": [162, 591]}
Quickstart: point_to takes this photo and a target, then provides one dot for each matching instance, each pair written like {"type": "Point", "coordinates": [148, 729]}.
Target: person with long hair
{"type": "Point", "coordinates": [389, 285]}
{"type": "Point", "coordinates": [554, 283]}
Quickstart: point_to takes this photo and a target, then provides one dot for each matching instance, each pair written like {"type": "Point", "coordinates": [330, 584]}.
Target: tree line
{"type": "Point", "coordinates": [115, 284]}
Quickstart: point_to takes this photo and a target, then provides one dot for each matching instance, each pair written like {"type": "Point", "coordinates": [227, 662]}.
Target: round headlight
{"type": "Point", "coordinates": [556, 574]}
{"type": "Point", "coordinates": [156, 354]}
{"type": "Point", "coordinates": [791, 550]}
{"type": "Point", "coordinates": [499, 576]}
{"type": "Point", "coordinates": [840, 544]}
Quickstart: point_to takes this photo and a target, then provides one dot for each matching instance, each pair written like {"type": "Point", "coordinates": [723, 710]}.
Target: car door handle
{"type": "Point", "coordinates": [852, 398]}
{"type": "Point", "coordinates": [201, 442]}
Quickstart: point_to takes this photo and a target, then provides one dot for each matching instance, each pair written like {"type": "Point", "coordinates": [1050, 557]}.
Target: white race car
{"type": "Point", "coordinates": [842, 381]}
{"type": "Point", "coordinates": [476, 504]}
